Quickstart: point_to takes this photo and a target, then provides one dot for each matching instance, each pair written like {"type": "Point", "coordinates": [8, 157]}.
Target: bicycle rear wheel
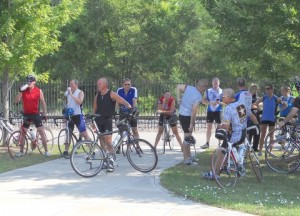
{"type": "Point", "coordinates": [141, 155]}
{"type": "Point", "coordinates": [254, 160]}
{"type": "Point", "coordinates": [49, 138]}
{"type": "Point", "coordinates": [225, 175]}
{"type": "Point", "coordinates": [282, 159]}
{"type": "Point", "coordinates": [87, 164]}
{"type": "Point", "coordinates": [13, 144]}
{"type": "Point", "coordinates": [65, 141]}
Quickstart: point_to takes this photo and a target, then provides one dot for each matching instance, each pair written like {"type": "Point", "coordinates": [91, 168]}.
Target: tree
{"type": "Point", "coordinates": [28, 30]}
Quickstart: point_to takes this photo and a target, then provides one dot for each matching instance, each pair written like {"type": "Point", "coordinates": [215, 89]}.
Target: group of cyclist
{"type": "Point", "coordinates": [106, 102]}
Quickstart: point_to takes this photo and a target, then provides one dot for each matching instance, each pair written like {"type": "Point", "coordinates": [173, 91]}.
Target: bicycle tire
{"type": "Point", "coordinates": [255, 165]}
{"type": "Point", "coordinates": [49, 138]}
{"type": "Point", "coordinates": [276, 132]}
{"type": "Point", "coordinates": [87, 164]}
{"type": "Point", "coordinates": [282, 160]}
{"type": "Point", "coordinates": [62, 141]}
{"type": "Point", "coordinates": [141, 155]}
{"type": "Point", "coordinates": [13, 145]}
{"type": "Point", "coordinates": [171, 141]}
{"type": "Point", "coordinates": [225, 178]}
{"type": "Point", "coordinates": [165, 138]}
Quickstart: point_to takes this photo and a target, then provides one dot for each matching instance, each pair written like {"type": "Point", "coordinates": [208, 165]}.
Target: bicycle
{"type": "Point", "coordinates": [167, 136]}
{"type": "Point", "coordinates": [5, 127]}
{"type": "Point", "coordinates": [226, 167]}
{"type": "Point", "coordinates": [282, 155]}
{"type": "Point", "coordinates": [32, 136]}
{"type": "Point", "coordinates": [140, 153]}
{"type": "Point", "coordinates": [67, 138]}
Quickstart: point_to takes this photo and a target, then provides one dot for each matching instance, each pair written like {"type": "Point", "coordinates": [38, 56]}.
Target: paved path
{"type": "Point", "coordinates": [52, 188]}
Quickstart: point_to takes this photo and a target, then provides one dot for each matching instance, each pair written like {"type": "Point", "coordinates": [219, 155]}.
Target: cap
{"type": "Point", "coordinates": [297, 85]}
{"type": "Point", "coordinates": [241, 82]}
{"type": "Point", "coordinates": [30, 78]}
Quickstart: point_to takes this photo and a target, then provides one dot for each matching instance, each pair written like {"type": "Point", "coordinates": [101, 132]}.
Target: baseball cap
{"type": "Point", "coordinates": [30, 78]}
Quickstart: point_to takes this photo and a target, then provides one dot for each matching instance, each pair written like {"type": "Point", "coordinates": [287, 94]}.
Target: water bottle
{"type": "Point", "coordinates": [23, 87]}
{"type": "Point", "coordinates": [236, 154]}
{"type": "Point", "coordinates": [32, 134]}
{"type": "Point", "coordinates": [116, 140]}
{"type": "Point", "coordinates": [242, 150]}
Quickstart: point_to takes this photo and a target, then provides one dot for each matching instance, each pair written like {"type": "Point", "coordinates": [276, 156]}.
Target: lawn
{"type": "Point", "coordinates": [278, 194]}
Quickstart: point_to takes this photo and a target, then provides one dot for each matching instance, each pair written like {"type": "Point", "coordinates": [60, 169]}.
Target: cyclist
{"type": "Point", "coordinates": [269, 112]}
{"type": "Point", "coordinates": [288, 98]}
{"type": "Point", "coordinates": [104, 104]}
{"type": "Point", "coordinates": [75, 98]}
{"type": "Point", "coordinates": [253, 89]}
{"type": "Point", "coordinates": [233, 125]}
{"type": "Point", "coordinates": [31, 96]}
{"type": "Point", "coordinates": [166, 106]}
{"type": "Point", "coordinates": [129, 93]}
{"type": "Point", "coordinates": [188, 109]}
{"type": "Point", "coordinates": [214, 108]}
{"type": "Point", "coordinates": [295, 109]}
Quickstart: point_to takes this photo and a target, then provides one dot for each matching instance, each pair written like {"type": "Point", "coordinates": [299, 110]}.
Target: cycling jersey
{"type": "Point", "coordinates": [245, 97]}
{"type": "Point", "coordinates": [213, 95]}
{"type": "Point", "coordinates": [235, 114]}
{"type": "Point", "coordinates": [31, 98]}
{"type": "Point", "coordinates": [72, 104]}
{"type": "Point", "coordinates": [269, 108]}
{"type": "Point", "coordinates": [105, 105]}
{"type": "Point", "coordinates": [168, 105]}
{"type": "Point", "coordinates": [288, 100]}
{"type": "Point", "coordinates": [129, 96]}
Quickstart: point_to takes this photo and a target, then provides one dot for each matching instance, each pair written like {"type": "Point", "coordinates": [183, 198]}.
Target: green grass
{"type": "Point", "coordinates": [7, 164]}
{"type": "Point", "coordinates": [278, 194]}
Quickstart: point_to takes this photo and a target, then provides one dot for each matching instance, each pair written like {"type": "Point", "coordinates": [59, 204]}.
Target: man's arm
{"type": "Point", "coordinates": [79, 99]}
{"type": "Point", "coordinates": [291, 115]}
{"type": "Point", "coordinates": [180, 88]}
{"type": "Point", "coordinates": [193, 116]}
{"type": "Point", "coordinates": [119, 99]}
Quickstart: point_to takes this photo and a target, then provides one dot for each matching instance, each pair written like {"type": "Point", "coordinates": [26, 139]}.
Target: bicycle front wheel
{"type": "Point", "coordinates": [49, 139]}
{"type": "Point", "coordinates": [224, 174]}
{"type": "Point", "coordinates": [65, 142]}
{"type": "Point", "coordinates": [87, 164]}
{"type": "Point", "coordinates": [141, 155]}
{"type": "Point", "coordinates": [282, 158]}
{"type": "Point", "coordinates": [254, 160]}
{"type": "Point", "coordinates": [14, 146]}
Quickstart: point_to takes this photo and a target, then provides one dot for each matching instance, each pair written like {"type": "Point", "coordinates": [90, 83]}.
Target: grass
{"type": "Point", "coordinates": [7, 164]}
{"type": "Point", "coordinates": [278, 194]}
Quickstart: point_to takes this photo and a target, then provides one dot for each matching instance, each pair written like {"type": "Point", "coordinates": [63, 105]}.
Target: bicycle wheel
{"type": "Point", "coordinates": [87, 164]}
{"type": "Point", "coordinates": [141, 155]}
{"type": "Point", "coordinates": [278, 133]}
{"type": "Point", "coordinates": [282, 159]}
{"type": "Point", "coordinates": [254, 160]}
{"type": "Point", "coordinates": [49, 138]}
{"type": "Point", "coordinates": [225, 175]}
{"type": "Point", "coordinates": [171, 141]}
{"type": "Point", "coordinates": [13, 144]}
{"type": "Point", "coordinates": [65, 141]}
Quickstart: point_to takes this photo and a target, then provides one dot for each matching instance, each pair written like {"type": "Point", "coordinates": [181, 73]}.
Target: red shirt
{"type": "Point", "coordinates": [168, 105]}
{"type": "Point", "coordinates": [31, 98]}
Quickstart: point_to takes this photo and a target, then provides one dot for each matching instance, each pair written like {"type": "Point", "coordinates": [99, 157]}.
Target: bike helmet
{"type": "Point", "coordinates": [173, 119]}
{"type": "Point", "coordinates": [189, 140]}
{"type": "Point", "coordinates": [221, 134]}
{"type": "Point", "coordinates": [30, 78]}
{"type": "Point", "coordinates": [297, 85]}
{"type": "Point", "coordinates": [67, 112]}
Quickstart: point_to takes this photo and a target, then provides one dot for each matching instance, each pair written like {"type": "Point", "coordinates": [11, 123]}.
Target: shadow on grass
{"type": "Point", "coordinates": [277, 193]}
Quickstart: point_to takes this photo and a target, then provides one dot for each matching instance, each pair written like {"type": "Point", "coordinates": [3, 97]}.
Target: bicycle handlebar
{"type": "Point", "coordinates": [253, 127]}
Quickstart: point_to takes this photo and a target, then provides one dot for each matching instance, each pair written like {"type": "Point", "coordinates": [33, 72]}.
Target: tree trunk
{"type": "Point", "coordinates": [5, 100]}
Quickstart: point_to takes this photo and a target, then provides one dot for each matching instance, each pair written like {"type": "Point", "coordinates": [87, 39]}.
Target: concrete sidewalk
{"type": "Point", "coordinates": [53, 188]}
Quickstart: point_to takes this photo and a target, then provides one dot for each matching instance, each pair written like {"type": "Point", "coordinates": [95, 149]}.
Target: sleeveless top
{"type": "Point", "coordinates": [72, 104]}
{"type": "Point", "coordinates": [213, 95]}
{"type": "Point", "coordinates": [105, 105]}
{"type": "Point", "coordinates": [269, 108]}
{"type": "Point", "coordinates": [168, 105]}
{"type": "Point", "coordinates": [190, 97]}
{"type": "Point", "coordinates": [31, 100]}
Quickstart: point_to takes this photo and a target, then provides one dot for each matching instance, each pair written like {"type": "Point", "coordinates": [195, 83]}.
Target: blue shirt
{"type": "Point", "coordinates": [269, 108]}
{"type": "Point", "coordinates": [131, 94]}
{"type": "Point", "coordinates": [288, 100]}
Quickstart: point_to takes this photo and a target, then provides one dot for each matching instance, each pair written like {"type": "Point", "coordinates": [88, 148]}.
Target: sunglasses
{"type": "Point", "coordinates": [127, 84]}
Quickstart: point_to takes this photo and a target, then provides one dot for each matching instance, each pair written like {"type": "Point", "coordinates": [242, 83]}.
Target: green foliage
{"type": "Point", "coordinates": [146, 104]}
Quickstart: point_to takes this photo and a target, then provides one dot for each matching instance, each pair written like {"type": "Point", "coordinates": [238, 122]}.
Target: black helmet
{"type": "Point", "coordinates": [189, 140]}
{"type": "Point", "coordinates": [30, 78]}
{"type": "Point", "coordinates": [221, 134]}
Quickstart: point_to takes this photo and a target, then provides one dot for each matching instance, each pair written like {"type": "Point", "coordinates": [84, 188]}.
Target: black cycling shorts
{"type": "Point", "coordinates": [35, 118]}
